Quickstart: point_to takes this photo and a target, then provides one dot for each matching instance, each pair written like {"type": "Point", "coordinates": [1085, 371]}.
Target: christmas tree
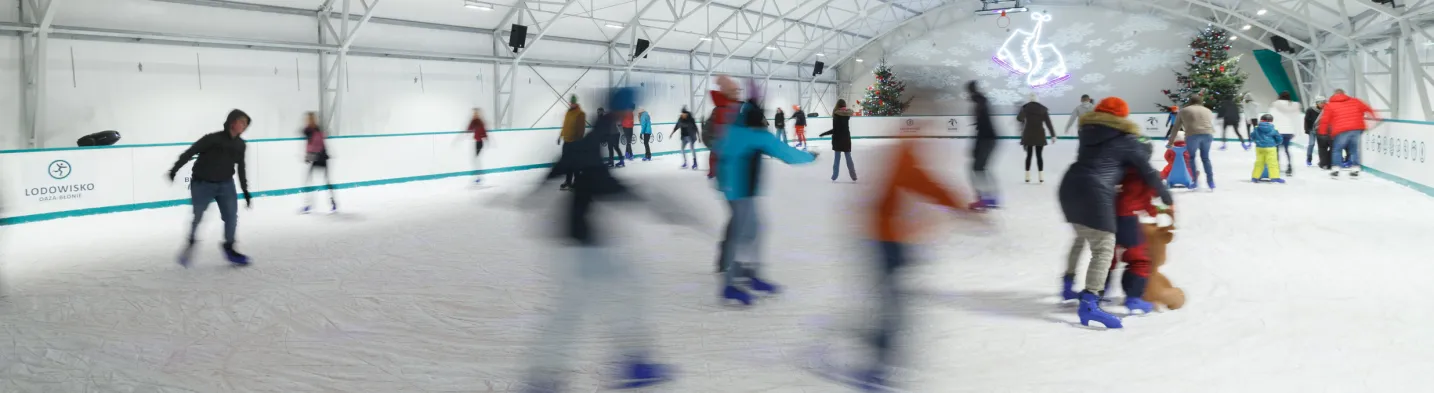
{"type": "Point", "coordinates": [1211, 72]}
{"type": "Point", "coordinates": [884, 97]}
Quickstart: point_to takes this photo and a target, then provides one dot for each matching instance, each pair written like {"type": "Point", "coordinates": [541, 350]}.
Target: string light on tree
{"type": "Point", "coordinates": [1211, 71]}
{"type": "Point", "coordinates": [883, 98]}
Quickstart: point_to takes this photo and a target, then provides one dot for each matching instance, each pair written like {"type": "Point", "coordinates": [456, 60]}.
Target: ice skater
{"type": "Point", "coordinates": [799, 125]}
{"type": "Point", "coordinates": [740, 153]}
{"type": "Point", "coordinates": [1086, 106]}
{"type": "Point", "coordinates": [645, 122]}
{"type": "Point", "coordinates": [574, 124]}
{"type": "Point", "coordinates": [1230, 115]}
{"type": "Point", "coordinates": [479, 129]}
{"type": "Point", "coordinates": [1267, 154]}
{"type": "Point", "coordinates": [984, 148]}
{"type": "Point", "coordinates": [1195, 120]}
{"type": "Point", "coordinates": [686, 125]}
{"type": "Point", "coordinates": [841, 140]}
{"type": "Point", "coordinates": [1109, 144]}
{"type": "Point", "coordinates": [1343, 121]}
{"type": "Point", "coordinates": [1252, 114]}
{"type": "Point", "coordinates": [725, 104]}
{"type": "Point", "coordinates": [316, 154]}
{"type": "Point", "coordinates": [627, 141]}
{"type": "Point", "coordinates": [780, 122]}
{"type": "Point", "coordinates": [594, 280]}
{"type": "Point", "coordinates": [221, 155]}
{"type": "Point", "coordinates": [1287, 116]}
{"type": "Point", "coordinates": [1132, 201]}
{"type": "Point", "coordinates": [1035, 120]}
{"type": "Point", "coordinates": [1311, 120]}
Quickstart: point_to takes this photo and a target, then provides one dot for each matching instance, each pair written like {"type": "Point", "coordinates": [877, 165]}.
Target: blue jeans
{"type": "Point", "coordinates": [1309, 149]}
{"type": "Point", "coordinates": [1348, 142]}
{"type": "Point", "coordinates": [739, 250]}
{"type": "Point", "coordinates": [202, 193]}
{"type": "Point", "coordinates": [592, 282]}
{"type": "Point", "coordinates": [1285, 144]}
{"type": "Point", "coordinates": [836, 165]}
{"type": "Point", "coordinates": [1200, 148]}
{"type": "Point", "coordinates": [689, 143]}
{"type": "Point", "coordinates": [888, 291]}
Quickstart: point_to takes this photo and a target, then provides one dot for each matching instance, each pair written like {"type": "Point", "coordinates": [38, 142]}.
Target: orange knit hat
{"type": "Point", "coordinates": [1114, 106]}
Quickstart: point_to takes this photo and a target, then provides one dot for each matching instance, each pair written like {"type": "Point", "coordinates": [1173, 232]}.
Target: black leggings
{"type": "Point", "coordinates": [1224, 132]}
{"type": "Point", "coordinates": [647, 146]}
{"type": "Point", "coordinates": [1040, 158]}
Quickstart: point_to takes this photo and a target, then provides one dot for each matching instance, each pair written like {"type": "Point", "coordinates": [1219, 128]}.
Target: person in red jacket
{"type": "Point", "coordinates": [725, 104]}
{"type": "Point", "coordinates": [1133, 198]}
{"type": "Point", "coordinates": [480, 134]}
{"type": "Point", "coordinates": [1343, 122]}
{"type": "Point", "coordinates": [627, 135]}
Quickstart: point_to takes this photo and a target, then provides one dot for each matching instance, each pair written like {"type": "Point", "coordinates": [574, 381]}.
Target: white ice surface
{"type": "Point", "coordinates": [1319, 285]}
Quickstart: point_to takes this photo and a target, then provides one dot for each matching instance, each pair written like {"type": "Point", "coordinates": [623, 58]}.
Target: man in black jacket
{"type": "Point", "coordinates": [1312, 119]}
{"type": "Point", "coordinates": [984, 148]}
{"type": "Point", "coordinates": [799, 122]}
{"type": "Point", "coordinates": [1109, 143]}
{"type": "Point", "coordinates": [220, 153]}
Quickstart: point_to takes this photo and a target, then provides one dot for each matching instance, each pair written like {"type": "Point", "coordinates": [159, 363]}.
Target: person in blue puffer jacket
{"type": "Point", "coordinates": [739, 161]}
{"type": "Point", "coordinates": [1267, 150]}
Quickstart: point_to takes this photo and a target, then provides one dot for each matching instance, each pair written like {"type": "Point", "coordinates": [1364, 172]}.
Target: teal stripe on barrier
{"type": "Point", "coordinates": [268, 193]}
{"type": "Point", "coordinates": [1426, 190]}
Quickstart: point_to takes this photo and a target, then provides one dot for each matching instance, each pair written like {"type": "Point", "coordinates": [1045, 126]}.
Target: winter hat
{"type": "Point", "coordinates": [1321, 99]}
{"type": "Point", "coordinates": [1114, 106]}
{"type": "Point", "coordinates": [573, 99]}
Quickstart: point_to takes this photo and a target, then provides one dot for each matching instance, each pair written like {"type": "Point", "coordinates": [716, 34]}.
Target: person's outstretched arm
{"type": "Point", "coordinates": [769, 144]}
{"type": "Point", "coordinates": [1049, 126]}
{"type": "Point", "coordinates": [1075, 116]}
{"type": "Point", "coordinates": [243, 171]}
{"type": "Point", "coordinates": [200, 145]}
{"type": "Point", "coordinates": [829, 132]}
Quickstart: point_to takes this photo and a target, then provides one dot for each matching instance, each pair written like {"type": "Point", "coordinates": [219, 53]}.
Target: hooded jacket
{"type": "Point", "coordinates": [688, 125]}
{"type": "Point", "coordinates": [985, 128]}
{"type": "Point", "coordinates": [841, 130]}
{"type": "Point", "coordinates": [799, 118]}
{"type": "Point", "coordinates": [645, 122]}
{"type": "Point", "coordinates": [1109, 145]}
{"type": "Point", "coordinates": [1035, 120]}
{"type": "Point", "coordinates": [1080, 110]}
{"type": "Point", "coordinates": [739, 155]}
{"type": "Point", "coordinates": [1343, 114]}
{"type": "Point", "coordinates": [1287, 116]}
{"type": "Point", "coordinates": [573, 124]}
{"type": "Point", "coordinates": [1311, 118]}
{"type": "Point", "coordinates": [221, 155]}
{"type": "Point", "coordinates": [1229, 111]}
{"type": "Point", "coordinates": [1265, 135]}
{"type": "Point", "coordinates": [780, 120]}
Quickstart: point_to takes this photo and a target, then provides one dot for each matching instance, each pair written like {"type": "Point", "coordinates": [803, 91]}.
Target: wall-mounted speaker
{"type": "Point", "coordinates": [641, 49]}
{"type": "Point", "coordinates": [518, 37]}
{"type": "Point", "coordinates": [1281, 44]}
{"type": "Point", "coordinates": [818, 70]}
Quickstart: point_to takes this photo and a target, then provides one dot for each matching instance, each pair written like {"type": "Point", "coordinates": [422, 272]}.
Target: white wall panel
{"type": "Point", "coordinates": [11, 107]}
{"type": "Point", "coordinates": [389, 95]}
{"type": "Point", "coordinates": [154, 16]}
{"type": "Point", "coordinates": [538, 105]}
{"type": "Point", "coordinates": [375, 35]}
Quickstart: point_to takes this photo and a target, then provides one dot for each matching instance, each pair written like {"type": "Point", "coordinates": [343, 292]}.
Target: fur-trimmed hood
{"type": "Point", "coordinates": [1108, 120]}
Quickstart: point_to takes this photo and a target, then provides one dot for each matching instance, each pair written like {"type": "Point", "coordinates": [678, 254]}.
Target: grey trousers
{"type": "Point", "coordinates": [591, 282]}
{"type": "Point", "coordinates": [1102, 253]}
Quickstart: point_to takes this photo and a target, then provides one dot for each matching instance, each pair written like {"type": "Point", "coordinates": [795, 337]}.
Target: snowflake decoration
{"type": "Point", "coordinates": [1122, 47]}
{"type": "Point", "coordinates": [1072, 34]}
{"type": "Point", "coordinates": [1092, 78]}
{"type": "Point", "coordinates": [1077, 60]}
{"type": "Point", "coordinates": [982, 41]}
{"type": "Point", "coordinates": [1095, 43]}
{"type": "Point", "coordinates": [1146, 61]}
{"type": "Point", "coordinates": [958, 51]}
{"type": "Point", "coordinates": [1137, 24]}
{"type": "Point", "coordinates": [989, 70]}
{"type": "Point", "coordinates": [1015, 81]}
{"type": "Point", "coordinates": [946, 97]}
{"type": "Point", "coordinates": [1102, 88]}
{"type": "Point", "coordinates": [1004, 97]}
{"type": "Point", "coordinates": [952, 63]}
{"type": "Point", "coordinates": [1058, 90]}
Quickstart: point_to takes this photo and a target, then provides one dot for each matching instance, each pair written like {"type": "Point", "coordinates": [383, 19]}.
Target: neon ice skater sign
{"type": "Point", "coordinates": [1041, 63]}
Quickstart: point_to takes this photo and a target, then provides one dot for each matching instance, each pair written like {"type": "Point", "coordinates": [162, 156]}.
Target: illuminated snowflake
{"type": "Point", "coordinates": [1015, 81]}
{"type": "Point", "coordinates": [1092, 78]}
{"type": "Point", "coordinates": [958, 51]}
{"type": "Point", "coordinates": [1077, 60]}
{"type": "Point", "coordinates": [982, 41]}
{"type": "Point", "coordinates": [1095, 43]}
{"type": "Point", "coordinates": [1137, 24]}
{"type": "Point", "coordinates": [1072, 34]}
{"type": "Point", "coordinates": [952, 63]}
{"type": "Point", "coordinates": [1004, 97]}
{"type": "Point", "coordinates": [1102, 88]}
{"type": "Point", "coordinates": [988, 69]}
{"type": "Point", "coordinates": [1147, 60]}
{"type": "Point", "coordinates": [1058, 90]}
{"type": "Point", "coordinates": [1122, 47]}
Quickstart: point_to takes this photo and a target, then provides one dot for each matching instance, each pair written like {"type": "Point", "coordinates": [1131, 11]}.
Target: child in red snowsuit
{"type": "Point", "coordinates": [1170, 158]}
{"type": "Point", "coordinates": [1134, 197]}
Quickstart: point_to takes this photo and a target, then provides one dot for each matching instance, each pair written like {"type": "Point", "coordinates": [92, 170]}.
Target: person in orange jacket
{"type": "Point", "coordinates": [1343, 122]}
{"type": "Point", "coordinates": [895, 227]}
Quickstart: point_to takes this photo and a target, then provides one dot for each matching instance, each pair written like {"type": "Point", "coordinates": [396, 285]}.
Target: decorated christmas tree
{"type": "Point", "coordinates": [884, 97]}
{"type": "Point", "coordinates": [1211, 72]}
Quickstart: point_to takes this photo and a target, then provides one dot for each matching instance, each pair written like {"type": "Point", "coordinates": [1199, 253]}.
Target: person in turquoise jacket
{"type": "Point", "coordinates": [645, 122]}
{"type": "Point", "coordinates": [1267, 157]}
{"type": "Point", "coordinates": [739, 159]}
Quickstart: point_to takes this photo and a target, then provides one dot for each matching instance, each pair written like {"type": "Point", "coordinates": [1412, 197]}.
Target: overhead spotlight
{"type": "Point", "coordinates": [1245, 27]}
{"type": "Point", "coordinates": [705, 38]}
{"type": "Point", "coordinates": [821, 54]}
{"type": "Point", "coordinates": [613, 25]}
{"type": "Point", "coordinates": [1232, 38]}
{"type": "Point", "coordinates": [771, 48]}
{"type": "Point", "coordinates": [1262, 11]}
{"type": "Point", "coordinates": [858, 60]}
{"type": "Point", "coordinates": [477, 5]}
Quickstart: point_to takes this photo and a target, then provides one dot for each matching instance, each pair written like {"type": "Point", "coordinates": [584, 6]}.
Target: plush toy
{"type": "Point", "coordinates": [1159, 290]}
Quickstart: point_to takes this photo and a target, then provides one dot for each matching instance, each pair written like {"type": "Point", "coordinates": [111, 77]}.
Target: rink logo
{"type": "Point", "coordinates": [951, 125]}
{"type": "Point", "coordinates": [60, 169]}
{"type": "Point", "coordinates": [1401, 148]}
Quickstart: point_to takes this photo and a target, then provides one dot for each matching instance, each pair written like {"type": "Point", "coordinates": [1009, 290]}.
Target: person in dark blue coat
{"type": "Point", "coordinates": [984, 147]}
{"type": "Point", "coordinates": [1109, 144]}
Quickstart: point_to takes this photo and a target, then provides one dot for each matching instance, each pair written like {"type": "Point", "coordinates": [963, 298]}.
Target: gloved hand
{"type": "Point", "coordinates": [171, 176]}
{"type": "Point", "coordinates": [248, 200]}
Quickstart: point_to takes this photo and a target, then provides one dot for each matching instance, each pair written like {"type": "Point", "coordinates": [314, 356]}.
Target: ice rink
{"type": "Point", "coordinates": [1318, 285]}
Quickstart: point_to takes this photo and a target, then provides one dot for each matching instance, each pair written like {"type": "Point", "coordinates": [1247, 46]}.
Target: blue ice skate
{"type": "Point", "coordinates": [1280, 181]}
{"type": "Point", "coordinates": [306, 210]}
{"type": "Point", "coordinates": [638, 374]}
{"type": "Point", "coordinates": [731, 293]}
{"type": "Point", "coordinates": [234, 257]}
{"type": "Point", "coordinates": [1138, 304]}
{"type": "Point", "coordinates": [1090, 311]}
{"type": "Point", "coordinates": [187, 255]}
{"type": "Point", "coordinates": [1066, 292]}
{"type": "Point", "coordinates": [1135, 292]}
{"type": "Point", "coordinates": [762, 286]}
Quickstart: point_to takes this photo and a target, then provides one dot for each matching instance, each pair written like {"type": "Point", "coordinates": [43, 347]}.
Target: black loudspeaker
{"type": "Point", "coordinates": [641, 49]}
{"type": "Point", "coordinates": [518, 37]}
{"type": "Point", "coordinates": [1281, 44]}
{"type": "Point", "coordinates": [102, 138]}
{"type": "Point", "coordinates": [818, 70]}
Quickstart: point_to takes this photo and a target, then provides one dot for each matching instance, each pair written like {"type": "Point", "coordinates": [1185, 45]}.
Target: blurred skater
{"type": "Point", "coordinates": [1287, 115]}
{"type": "Point", "coordinates": [594, 281]}
{"type": "Point", "coordinates": [1252, 114]}
{"type": "Point", "coordinates": [984, 148]}
{"type": "Point", "coordinates": [799, 124]}
{"type": "Point", "coordinates": [627, 141]}
{"type": "Point", "coordinates": [221, 155]}
{"type": "Point", "coordinates": [687, 125]}
{"type": "Point", "coordinates": [480, 135]}
{"type": "Point", "coordinates": [725, 103]}
{"type": "Point", "coordinates": [1109, 144]}
{"type": "Point", "coordinates": [1133, 199]}
{"type": "Point", "coordinates": [574, 123]}
{"type": "Point", "coordinates": [1312, 119]}
{"type": "Point", "coordinates": [316, 154]}
{"type": "Point", "coordinates": [740, 156]}
{"type": "Point", "coordinates": [841, 140]}
{"type": "Point", "coordinates": [645, 122]}
{"type": "Point", "coordinates": [1230, 116]}
{"type": "Point", "coordinates": [1035, 121]}
{"type": "Point", "coordinates": [1195, 120]}
{"type": "Point", "coordinates": [1343, 121]}
{"type": "Point", "coordinates": [780, 122]}
{"type": "Point", "coordinates": [1086, 106]}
